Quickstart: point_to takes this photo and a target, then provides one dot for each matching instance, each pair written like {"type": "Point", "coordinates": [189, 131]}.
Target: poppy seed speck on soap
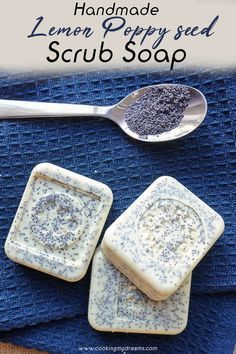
{"type": "Point", "coordinates": [158, 110]}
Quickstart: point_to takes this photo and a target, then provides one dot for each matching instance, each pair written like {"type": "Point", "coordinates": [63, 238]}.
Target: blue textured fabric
{"type": "Point", "coordinates": [211, 329]}
{"type": "Point", "coordinates": [204, 161]}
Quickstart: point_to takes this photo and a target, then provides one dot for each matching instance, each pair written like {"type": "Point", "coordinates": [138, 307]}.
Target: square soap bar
{"type": "Point", "coordinates": [161, 237]}
{"type": "Point", "coordinates": [117, 305]}
{"type": "Point", "coordinates": [58, 222]}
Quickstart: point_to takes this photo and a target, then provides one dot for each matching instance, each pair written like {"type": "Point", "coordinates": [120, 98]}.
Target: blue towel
{"type": "Point", "coordinates": [211, 329]}
{"type": "Point", "coordinates": [204, 161]}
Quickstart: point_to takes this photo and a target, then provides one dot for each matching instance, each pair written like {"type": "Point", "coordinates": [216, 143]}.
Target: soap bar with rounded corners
{"type": "Point", "coordinates": [161, 237]}
{"type": "Point", "coordinates": [58, 222]}
{"type": "Point", "coordinates": [117, 305]}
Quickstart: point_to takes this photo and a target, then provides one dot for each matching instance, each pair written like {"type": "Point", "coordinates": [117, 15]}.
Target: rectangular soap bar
{"type": "Point", "coordinates": [161, 237]}
{"type": "Point", "coordinates": [58, 222]}
{"type": "Point", "coordinates": [117, 305]}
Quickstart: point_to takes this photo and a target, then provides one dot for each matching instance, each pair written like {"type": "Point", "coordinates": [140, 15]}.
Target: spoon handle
{"type": "Point", "coordinates": [27, 109]}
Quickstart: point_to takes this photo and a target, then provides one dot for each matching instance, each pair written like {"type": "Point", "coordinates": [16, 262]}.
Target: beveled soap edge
{"type": "Point", "coordinates": [105, 202]}
{"type": "Point", "coordinates": [133, 276]}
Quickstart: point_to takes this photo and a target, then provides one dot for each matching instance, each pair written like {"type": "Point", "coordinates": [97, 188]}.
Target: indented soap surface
{"type": "Point", "coordinates": [117, 305]}
{"type": "Point", "coordinates": [161, 237]}
{"type": "Point", "coordinates": [58, 222]}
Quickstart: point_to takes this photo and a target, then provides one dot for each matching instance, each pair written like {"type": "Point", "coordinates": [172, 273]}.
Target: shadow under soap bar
{"type": "Point", "coordinates": [58, 222]}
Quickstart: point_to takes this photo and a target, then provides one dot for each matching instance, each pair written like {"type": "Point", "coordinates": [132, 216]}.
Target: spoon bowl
{"type": "Point", "coordinates": [194, 114]}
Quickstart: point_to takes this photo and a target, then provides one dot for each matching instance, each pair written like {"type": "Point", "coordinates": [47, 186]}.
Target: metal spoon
{"type": "Point", "coordinates": [193, 115]}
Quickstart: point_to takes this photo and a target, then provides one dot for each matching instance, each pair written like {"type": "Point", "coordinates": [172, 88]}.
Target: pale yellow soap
{"type": "Point", "coordinates": [161, 237]}
{"type": "Point", "coordinates": [58, 222]}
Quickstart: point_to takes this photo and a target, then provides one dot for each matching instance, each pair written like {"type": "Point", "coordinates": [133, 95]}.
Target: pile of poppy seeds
{"type": "Point", "coordinates": [158, 110]}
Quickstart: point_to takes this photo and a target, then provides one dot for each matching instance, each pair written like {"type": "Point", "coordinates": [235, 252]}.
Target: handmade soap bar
{"type": "Point", "coordinates": [161, 237]}
{"type": "Point", "coordinates": [58, 222]}
{"type": "Point", "coordinates": [116, 305]}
